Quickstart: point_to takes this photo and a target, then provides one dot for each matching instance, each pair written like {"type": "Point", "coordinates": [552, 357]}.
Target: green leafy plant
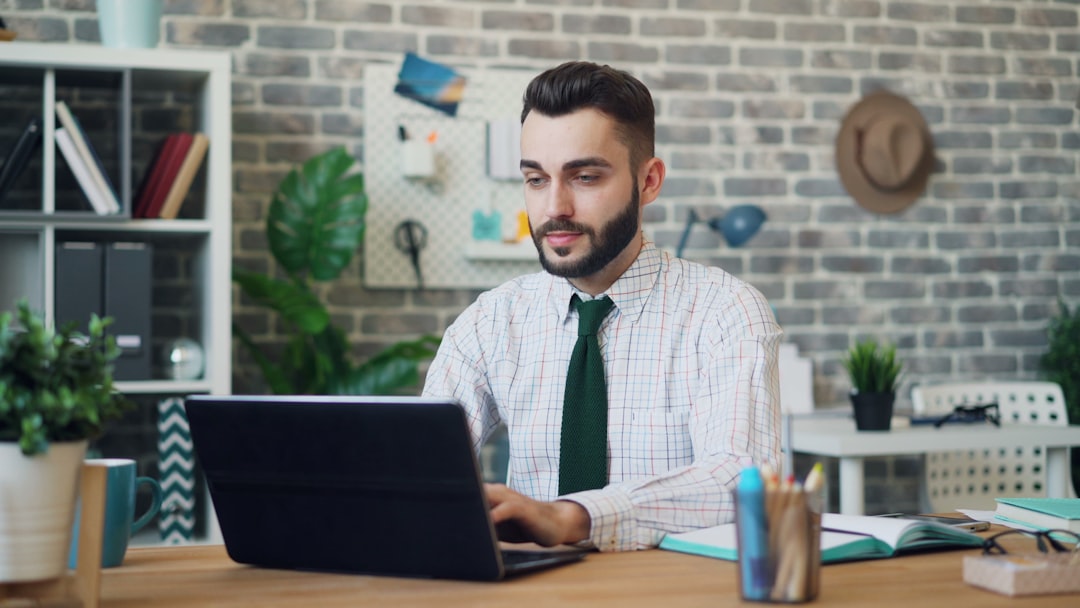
{"type": "Point", "coordinates": [1061, 364]}
{"type": "Point", "coordinates": [55, 385]}
{"type": "Point", "coordinates": [314, 227]}
{"type": "Point", "coordinates": [873, 369]}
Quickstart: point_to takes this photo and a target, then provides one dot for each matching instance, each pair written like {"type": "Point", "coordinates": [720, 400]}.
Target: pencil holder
{"type": "Point", "coordinates": [779, 541]}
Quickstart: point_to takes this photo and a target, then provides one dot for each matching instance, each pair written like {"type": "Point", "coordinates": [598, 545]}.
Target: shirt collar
{"type": "Point", "coordinates": [630, 292]}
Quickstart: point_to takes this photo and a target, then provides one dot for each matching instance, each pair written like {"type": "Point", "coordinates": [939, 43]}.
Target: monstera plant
{"type": "Point", "coordinates": [314, 227]}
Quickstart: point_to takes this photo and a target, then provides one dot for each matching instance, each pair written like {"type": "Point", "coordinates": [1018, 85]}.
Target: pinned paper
{"type": "Point", "coordinates": [430, 83]}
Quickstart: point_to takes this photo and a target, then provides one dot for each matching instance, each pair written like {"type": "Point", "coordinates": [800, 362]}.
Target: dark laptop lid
{"type": "Point", "coordinates": [383, 485]}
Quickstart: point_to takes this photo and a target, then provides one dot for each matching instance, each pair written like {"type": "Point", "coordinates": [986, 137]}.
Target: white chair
{"type": "Point", "coordinates": [971, 479]}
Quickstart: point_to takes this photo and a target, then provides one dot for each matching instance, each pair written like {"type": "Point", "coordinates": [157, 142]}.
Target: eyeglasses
{"type": "Point", "coordinates": [972, 413]}
{"type": "Point", "coordinates": [1045, 540]}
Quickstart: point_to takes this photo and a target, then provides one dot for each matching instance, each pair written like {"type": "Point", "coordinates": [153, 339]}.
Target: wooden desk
{"type": "Point", "coordinates": [836, 437]}
{"type": "Point", "coordinates": [204, 576]}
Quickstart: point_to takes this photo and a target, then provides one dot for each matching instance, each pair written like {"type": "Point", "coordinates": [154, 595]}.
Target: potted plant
{"type": "Point", "coordinates": [1061, 364]}
{"type": "Point", "coordinates": [56, 393]}
{"type": "Point", "coordinates": [314, 227]}
{"type": "Point", "coordinates": [875, 374]}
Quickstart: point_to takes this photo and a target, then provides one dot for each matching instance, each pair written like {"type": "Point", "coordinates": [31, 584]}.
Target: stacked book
{"type": "Point", "coordinates": [1042, 513]}
{"type": "Point", "coordinates": [169, 178]}
{"type": "Point", "coordinates": [85, 163]}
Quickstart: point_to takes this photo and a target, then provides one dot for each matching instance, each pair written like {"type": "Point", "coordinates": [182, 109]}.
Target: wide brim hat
{"type": "Point", "coordinates": [884, 152]}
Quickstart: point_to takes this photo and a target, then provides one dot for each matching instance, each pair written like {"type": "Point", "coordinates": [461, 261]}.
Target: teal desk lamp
{"type": "Point", "coordinates": [736, 226]}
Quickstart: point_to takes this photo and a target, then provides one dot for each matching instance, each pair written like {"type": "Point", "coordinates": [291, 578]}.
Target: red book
{"type": "Point", "coordinates": [162, 173]}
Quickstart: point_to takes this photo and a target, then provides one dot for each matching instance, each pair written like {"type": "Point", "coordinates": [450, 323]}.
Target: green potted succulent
{"type": "Point", "coordinates": [875, 373]}
{"type": "Point", "coordinates": [314, 227]}
{"type": "Point", "coordinates": [1061, 364]}
{"type": "Point", "coordinates": [56, 393]}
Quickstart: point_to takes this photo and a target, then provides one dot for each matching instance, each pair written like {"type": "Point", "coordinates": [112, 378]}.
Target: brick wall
{"type": "Point", "coordinates": [749, 94]}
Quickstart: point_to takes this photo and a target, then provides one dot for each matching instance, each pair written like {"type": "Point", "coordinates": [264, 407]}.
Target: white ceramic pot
{"type": "Point", "coordinates": [37, 504]}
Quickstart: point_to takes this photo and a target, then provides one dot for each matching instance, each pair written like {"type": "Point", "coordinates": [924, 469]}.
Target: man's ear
{"type": "Point", "coordinates": [652, 179]}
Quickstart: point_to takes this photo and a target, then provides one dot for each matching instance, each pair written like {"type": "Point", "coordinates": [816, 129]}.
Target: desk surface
{"type": "Point", "coordinates": [205, 576]}
{"type": "Point", "coordinates": [836, 436]}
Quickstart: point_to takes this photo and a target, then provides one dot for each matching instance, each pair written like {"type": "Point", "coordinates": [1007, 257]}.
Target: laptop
{"type": "Point", "coordinates": [367, 485]}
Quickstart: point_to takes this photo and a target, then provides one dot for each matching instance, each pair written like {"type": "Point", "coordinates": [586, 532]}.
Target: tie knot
{"type": "Point", "coordinates": [591, 313]}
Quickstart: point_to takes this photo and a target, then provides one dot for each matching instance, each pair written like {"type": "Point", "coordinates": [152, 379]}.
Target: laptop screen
{"type": "Point", "coordinates": [384, 485]}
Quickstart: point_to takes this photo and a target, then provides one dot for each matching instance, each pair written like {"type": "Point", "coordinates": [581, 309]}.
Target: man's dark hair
{"type": "Point", "coordinates": [577, 85]}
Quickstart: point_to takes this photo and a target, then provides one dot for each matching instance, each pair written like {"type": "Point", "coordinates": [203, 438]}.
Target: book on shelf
{"type": "Point", "coordinates": [843, 538]}
{"type": "Point", "coordinates": [82, 173]}
{"type": "Point", "coordinates": [161, 175]}
{"type": "Point", "coordinates": [19, 155]}
{"type": "Point", "coordinates": [185, 175]}
{"type": "Point", "coordinates": [94, 166]}
{"type": "Point", "coordinates": [1044, 513]}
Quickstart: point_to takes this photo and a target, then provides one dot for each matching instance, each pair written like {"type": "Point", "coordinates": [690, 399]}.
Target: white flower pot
{"type": "Point", "coordinates": [37, 506]}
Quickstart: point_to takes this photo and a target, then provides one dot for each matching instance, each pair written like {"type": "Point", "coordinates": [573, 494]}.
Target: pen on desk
{"type": "Point", "coordinates": [753, 534]}
{"type": "Point", "coordinates": [402, 134]}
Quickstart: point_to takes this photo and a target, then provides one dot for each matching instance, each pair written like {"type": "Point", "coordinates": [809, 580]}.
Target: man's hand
{"type": "Point", "coordinates": [521, 519]}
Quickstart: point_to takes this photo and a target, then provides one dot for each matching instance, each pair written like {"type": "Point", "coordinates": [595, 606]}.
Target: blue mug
{"type": "Point", "coordinates": [120, 521]}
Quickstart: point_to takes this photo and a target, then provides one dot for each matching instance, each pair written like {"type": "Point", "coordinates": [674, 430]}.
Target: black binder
{"type": "Point", "coordinates": [127, 294]}
{"type": "Point", "coordinates": [78, 282]}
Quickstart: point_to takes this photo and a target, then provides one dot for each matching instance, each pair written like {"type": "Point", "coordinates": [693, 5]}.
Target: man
{"type": "Point", "coordinates": [689, 352]}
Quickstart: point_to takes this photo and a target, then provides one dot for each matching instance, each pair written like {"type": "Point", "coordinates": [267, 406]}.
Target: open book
{"type": "Point", "coordinates": [843, 538]}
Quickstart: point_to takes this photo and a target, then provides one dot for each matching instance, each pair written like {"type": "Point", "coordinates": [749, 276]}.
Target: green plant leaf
{"type": "Point", "coordinates": [316, 218]}
{"type": "Point", "coordinates": [294, 302]}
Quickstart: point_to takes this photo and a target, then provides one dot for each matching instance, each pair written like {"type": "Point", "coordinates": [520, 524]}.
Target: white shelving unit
{"type": "Point", "coordinates": [128, 81]}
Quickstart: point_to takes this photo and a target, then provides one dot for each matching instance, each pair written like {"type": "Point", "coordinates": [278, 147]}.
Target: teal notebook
{"type": "Point", "coordinates": [843, 538]}
{"type": "Point", "coordinates": [1045, 513]}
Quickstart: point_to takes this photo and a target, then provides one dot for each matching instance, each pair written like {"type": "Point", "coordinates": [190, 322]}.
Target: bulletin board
{"type": "Point", "coordinates": [445, 204]}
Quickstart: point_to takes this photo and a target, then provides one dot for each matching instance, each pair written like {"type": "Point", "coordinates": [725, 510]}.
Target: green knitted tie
{"type": "Point", "coordinates": [583, 457]}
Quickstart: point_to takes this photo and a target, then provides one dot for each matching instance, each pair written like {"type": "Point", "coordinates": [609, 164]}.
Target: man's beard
{"type": "Point", "coordinates": [613, 239]}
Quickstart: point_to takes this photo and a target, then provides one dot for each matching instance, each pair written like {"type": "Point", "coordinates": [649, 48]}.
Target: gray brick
{"type": "Point", "coordinates": [981, 165]}
{"type": "Point", "coordinates": [892, 290]}
{"type": "Point", "coordinates": [956, 289]}
{"type": "Point", "coordinates": [987, 364]}
{"type": "Point", "coordinates": [981, 213]}
{"type": "Point", "coordinates": [672, 26]}
{"type": "Point", "coordinates": [771, 239]}
{"type": "Point", "coordinates": [898, 239]}
{"type": "Point", "coordinates": [754, 186]}
{"type": "Point", "coordinates": [1044, 116]}
{"type": "Point", "coordinates": [596, 24]}
{"type": "Point", "coordinates": [288, 37]}
{"type": "Point", "coordinates": [1070, 141]}
{"type": "Point", "coordinates": [782, 7]}
{"type": "Point", "coordinates": [688, 186]}
{"type": "Point", "coordinates": [215, 8]}
{"type": "Point", "coordinates": [1068, 42]}
{"type": "Point", "coordinates": [814, 32]}
{"type": "Point", "coordinates": [745, 82]}
{"type": "Point", "coordinates": [1056, 18]}
{"type": "Point", "coordinates": [657, 4]}
{"type": "Point", "coordinates": [1030, 239]}
{"type": "Point", "coordinates": [924, 366]}
{"type": "Point", "coordinates": [952, 338]}
{"type": "Point", "coordinates": [980, 115]}
{"type": "Point", "coordinates": [860, 264]}
{"type": "Point", "coordinates": [788, 316]}
{"type": "Point", "coordinates": [399, 323]}
{"type": "Point", "coordinates": [1052, 262]}
{"type": "Point", "coordinates": [953, 38]}
{"type": "Point", "coordinates": [985, 15]}
{"type": "Point", "coordinates": [919, 265]}
{"type": "Point", "coordinates": [301, 95]}
{"type": "Point", "coordinates": [518, 20]}
{"type": "Point", "coordinates": [1018, 337]}
{"type": "Point", "coordinates": [923, 62]}
{"type": "Point", "coordinates": [813, 136]}
{"type": "Point", "coordinates": [707, 160]}
{"type": "Point", "coordinates": [911, 11]}
{"type": "Point", "coordinates": [781, 264]}
{"type": "Point", "coordinates": [703, 54]}
{"type": "Point", "coordinates": [852, 315]}
{"type": "Point", "coordinates": [1027, 140]}
{"type": "Point", "coordinates": [272, 123]}
{"type": "Point", "coordinates": [701, 108]}
{"type": "Point", "coordinates": [1042, 213]}
{"type": "Point", "coordinates": [243, 93]}
{"type": "Point", "coordinates": [342, 68]}
{"type": "Point", "coordinates": [987, 263]}
{"type": "Point", "coordinates": [945, 189]}
{"type": "Point", "coordinates": [841, 59]}
{"type": "Point", "coordinates": [706, 5]}
{"type": "Point", "coordinates": [1042, 66]}
{"type": "Point", "coordinates": [380, 40]}
{"type": "Point", "coordinates": [986, 313]}
{"type": "Point", "coordinates": [622, 52]}
{"type": "Point", "coordinates": [975, 64]}
{"type": "Point", "coordinates": [821, 84]}
{"type": "Point", "coordinates": [1028, 189]}
{"type": "Point", "coordinates": [966, 90]}
{"type": "Point", "coordinates": [207, 34]}
{"type": "Point", "coordinates": [770, 57]}
{"type": "Point", "coordinates": [682, 134]}
{"type": "Point", "coordinates": [87, 30]}
{"type": "Point", "coordinates": [469, 46]}
{"type": "Point", "coordinates": [352, 12]}
{"type": "Point", "coordinates": [293, 10]}
{"type": "Point", "coordinates": [439, 16]}
{"type": "Point", "coordinates": [956, 140]}
{"type": "Point", "coordinates": [1028, 287]}
{"type": "Point", "coordinates": [827, 239]}
{"type": "Point", "coordinates": [830, 110]}
{"type": "Point", "coordinates": [776, 161]}
{"type": "Point", "coordinates": [276, 64]}
{"type": "Point", "coordinates": [727, 29]}
{"type": "Point", "coordinates": [1020, 41]}
{"type": "Point", "coordinates": [1059, 165]}
{"type": "Point", "coordinates": [824, 289]}
{"type": "Point", "coordinates": [851, 8]}
{"type": "Point", "coordinates": [885, 35]}
{"type": "Point", "coordinates": [813, 343]}
{"type": "Point", "coordinates": [920, 314]}
{"type": "Point", "coordinates": [783, 109]}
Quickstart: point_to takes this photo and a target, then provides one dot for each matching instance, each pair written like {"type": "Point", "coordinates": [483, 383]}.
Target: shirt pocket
{"type": "Point", "coordinates": [660, 440]}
